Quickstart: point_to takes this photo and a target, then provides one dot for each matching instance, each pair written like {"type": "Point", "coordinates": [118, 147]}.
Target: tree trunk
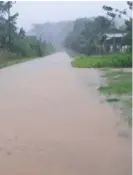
{"type": "Point", "coordinates": [114, 43]}
{"type": "Point", "coordinates": [9, 26]}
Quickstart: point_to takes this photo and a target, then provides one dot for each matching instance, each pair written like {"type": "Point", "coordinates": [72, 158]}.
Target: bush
{"type": "Point", "coordinates": [112, 60]}
{"type": "Point", "coordinates": [24, 49]}
{"type": "Point", "coordinates": [30, 47]}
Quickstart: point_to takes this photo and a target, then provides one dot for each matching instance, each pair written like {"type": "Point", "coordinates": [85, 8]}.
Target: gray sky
{"type": "Point", "coordinates": [43, 11]}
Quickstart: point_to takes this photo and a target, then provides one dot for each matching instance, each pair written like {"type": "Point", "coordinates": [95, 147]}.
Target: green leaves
{"type": "Point", "coordinates": [8, 29]}
{"type": "Point", "coordinates": [130, 4]}
{"type": "Point", "coordinates": [17, 42]}
{"type": "Point", "coordinates": [88, 35]}
{"type": "Point", "coordinates": [107, 8]}
{"type": "Point", "coordinates": [113, 15]}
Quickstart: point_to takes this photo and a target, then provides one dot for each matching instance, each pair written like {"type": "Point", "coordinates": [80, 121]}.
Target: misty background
{"type": "Point", "coordinates": [52, 21]}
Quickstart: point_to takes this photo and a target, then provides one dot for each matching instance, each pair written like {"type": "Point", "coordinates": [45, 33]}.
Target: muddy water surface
{"type": "Point", "coordinates": [51, 125]}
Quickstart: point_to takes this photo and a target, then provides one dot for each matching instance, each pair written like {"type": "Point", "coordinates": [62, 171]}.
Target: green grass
{"type": "Point", "coordinates": [119, 91]}
{"type": "Point", "coordinates": [112, 100]}
{"type": "Point", "coordinates": [118, 83]}
{"type": "Point", "coordinates": [6, 63]}
{"type": "Point", "coordinates": [112, 60]}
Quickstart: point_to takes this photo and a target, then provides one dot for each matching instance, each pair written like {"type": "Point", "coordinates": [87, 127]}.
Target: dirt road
{"type": "Point", "coordinates": [51, 124]}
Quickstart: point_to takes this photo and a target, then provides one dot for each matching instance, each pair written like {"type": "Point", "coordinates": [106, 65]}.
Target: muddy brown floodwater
{"type": "Point", "coordinates": [51, 124]}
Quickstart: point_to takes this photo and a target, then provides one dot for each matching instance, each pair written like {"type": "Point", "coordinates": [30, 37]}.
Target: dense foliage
{"type": "Point", "coordinates": [113, 13]}
{"type": "Point", "coordinates": [90, 38]}
{"type": "Point", "coordinates": [88, 35]}
{"type": "Point", "coordinates": [14, 41]}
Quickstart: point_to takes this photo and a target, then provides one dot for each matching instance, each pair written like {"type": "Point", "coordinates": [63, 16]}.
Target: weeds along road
{"type": "Point", "coordinates": [50, 124]}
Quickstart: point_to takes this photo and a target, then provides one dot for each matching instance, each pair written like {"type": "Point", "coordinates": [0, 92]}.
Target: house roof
{"type": "Point", "coordinates": [116, 35]}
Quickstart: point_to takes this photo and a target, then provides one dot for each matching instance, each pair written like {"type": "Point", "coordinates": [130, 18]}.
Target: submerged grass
{"type": "Point", "coordinates": [118, 83]}
{"type": "Point", "coordinates": [6, 63]}
{"type": "Point", "coordinates": [119, 90]}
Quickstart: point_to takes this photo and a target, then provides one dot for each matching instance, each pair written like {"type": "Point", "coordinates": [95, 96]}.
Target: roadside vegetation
{"type": "Point", "coordinates": [111, 60]}
{"type": "Point", "coordinates": [9, 62]}
{"type": "Point", "coordinates": [118, 90]}
{"type": "Point", "coordinates": [118, 80]}
{"type": "Point", "coordinates": [94, 36]}
{"type": "Point", "coordinates": [114, 64]}
{"type": "Point", "coordinates": [15, 45]}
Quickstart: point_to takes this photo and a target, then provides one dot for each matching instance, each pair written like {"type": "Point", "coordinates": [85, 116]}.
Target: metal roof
{"type": "Point", "coordinates": [116, 35]}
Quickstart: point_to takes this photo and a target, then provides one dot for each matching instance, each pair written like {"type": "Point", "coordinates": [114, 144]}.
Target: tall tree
{"type": "Point", "coordinates": [2, 25]}
{"type": "Point", "coordinates": [89, 37]}
{"type": "Point", "coordinates": [7, 24]}
{"type": "Point", "coordinates": [11, 21]}
{"type": "Point", "coordinates": [21, 33]}
{"type": "Point", "coordinates": [113, 13]}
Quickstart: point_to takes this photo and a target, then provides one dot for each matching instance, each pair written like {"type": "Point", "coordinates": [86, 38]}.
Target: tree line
{"type": "Point", "coordinates": [89, 35]}
{"type": "Point", "coordinates": [14, 40]}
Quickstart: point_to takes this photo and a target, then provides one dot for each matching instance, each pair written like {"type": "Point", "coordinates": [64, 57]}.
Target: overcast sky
{"type": "Point", "coordinates": [43, 11]}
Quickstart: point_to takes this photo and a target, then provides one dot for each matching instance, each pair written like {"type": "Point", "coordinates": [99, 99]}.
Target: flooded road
{"type": "Point", "coordinates": [51, 124]}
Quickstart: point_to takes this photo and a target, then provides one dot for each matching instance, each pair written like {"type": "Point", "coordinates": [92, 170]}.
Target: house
{"type": "Point", "coordinates": [115, 43]}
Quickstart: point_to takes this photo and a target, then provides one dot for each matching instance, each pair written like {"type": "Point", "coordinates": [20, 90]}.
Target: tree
{"type": "Point", "coordinates": [130, 4]}
{"type": "Point", "coordinates": [8, 24]}
{"type": "Point", "coordinates": [21, 33]}
{"type": "Point", "coordinates": [128, 37]}
{"type": "Point", "coordinates": [88, 36]}
{"type": "Point", "coordinates": [11, 21]}
{"type": "Point", "coordinates": [14, 41]}
{"type": "Point", "coordinates": [113, 13]}
{"type": "Point", "coordinates": [102, 25]}
{"type": "Point", "coordinates": [2, 25]}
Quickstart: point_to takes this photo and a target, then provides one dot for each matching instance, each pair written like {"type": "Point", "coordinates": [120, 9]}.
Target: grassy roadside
{"type": "Point", "coordinates": [112, 60]}
{"type": "Point", "coordinates": [118, 91]}
{"type": "Point", "coordinates": [7, 63]}
{"type": "Point", "coordinates": [119, 82]}
{"type": "Point", "coordinates": [9, 59]}
{"type": "Point", "coordinates": [117, 88]}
